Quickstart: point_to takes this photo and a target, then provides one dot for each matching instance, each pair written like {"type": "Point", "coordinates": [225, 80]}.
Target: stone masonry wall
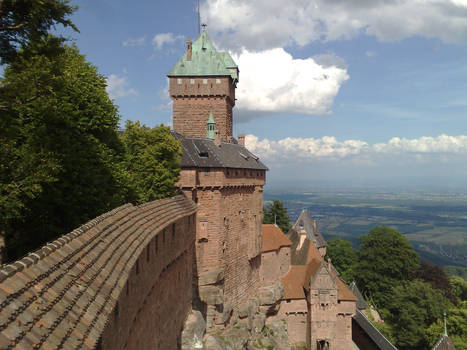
{"type": "Point", "coordinates": [193, 98]}
{"type": "Point", "coordinates": [157, 296]}
{"type": "Point", "coordinates": [228, 241]}
{"type": "Point", "coordinates": [294, 312]}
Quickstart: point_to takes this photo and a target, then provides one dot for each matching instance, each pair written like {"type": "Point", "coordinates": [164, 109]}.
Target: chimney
{"type": "Point", "coordinates": [217, 138]}
{"type": "Point", "coordinates": [241, 139]}
{"type": "Point", "coordinates": [188, 49]}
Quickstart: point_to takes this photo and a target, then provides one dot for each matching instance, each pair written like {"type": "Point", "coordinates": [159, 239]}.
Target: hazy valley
{"type": "Point", "coordinates": [434, 222]}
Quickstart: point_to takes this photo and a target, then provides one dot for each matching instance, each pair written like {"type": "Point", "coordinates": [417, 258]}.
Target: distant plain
{"type": "Point", "coordinates": [434, 222]}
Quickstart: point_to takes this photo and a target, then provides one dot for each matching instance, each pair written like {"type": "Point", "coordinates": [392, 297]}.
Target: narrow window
{"type": "Point", "coordinates": [156, 245]}
{"type": "Point", "coordinates": [147, 253]}
{"type": "Point", "coordinates": [137, 266]}
{"type": "Point", "coordinates": [173, 230]}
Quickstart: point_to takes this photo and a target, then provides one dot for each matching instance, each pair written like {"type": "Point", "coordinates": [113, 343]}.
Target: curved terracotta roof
{"type": "Point", "coordinates": [61, 296]}
{"type": "Point", "coordinates": [273, 238]}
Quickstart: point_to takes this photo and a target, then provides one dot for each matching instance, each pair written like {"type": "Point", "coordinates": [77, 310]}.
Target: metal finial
{"type": "Point", "coordinates": [445, 328]}
{"type": "Point", "coordinates": [204, 25]}
{"type": "Point", "coordinates": [199, 20]}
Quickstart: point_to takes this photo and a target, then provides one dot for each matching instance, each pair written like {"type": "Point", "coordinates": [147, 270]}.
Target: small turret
{"type": "Point", "coordinates": [210, 127]}
{"type": "Point", "coordinates": [188, 49]}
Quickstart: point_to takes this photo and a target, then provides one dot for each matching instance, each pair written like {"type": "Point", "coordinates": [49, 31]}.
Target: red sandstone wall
{"type": "Point", "coordinates": [157, 295]}
{"type": "Point", "coordinates": [270, 268]}
{"type": "Point", "coordinates": [193, 98]}
{"type": "Point", "coordinates": [229, 226]}
{"type": "Point", "coordinates": [294, 312]}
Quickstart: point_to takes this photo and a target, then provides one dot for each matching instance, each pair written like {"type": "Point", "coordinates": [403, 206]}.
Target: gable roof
{"type": "Point", "coordinates": [273, 238]}
{"type": "Point", "coordinates": [444, 343]}
{"type": "Point", "coordinates": [306, 222]}
{"type": "Point", "coordinates": [203, 153]}
{"type": "Point", "coordinates": [205, 61]}
{"type": "Point", "coordinates": [343, 292]}
{"type": "Point", "coordinates": [297, 279]}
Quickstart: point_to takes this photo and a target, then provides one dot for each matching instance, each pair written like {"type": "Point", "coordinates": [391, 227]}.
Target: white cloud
{"type": "Point", "coordinates": [273, 81]}
{"type": "Point", "coordinates": [264, 24]}
{"type": "Point", "coordinates": [425, 145]}
{"type": "Point", "coordinates": [133, 42]}
{"type": "Point", "coordinates": [117, 87]}
{"type": "Point", "coordinates": [424, 149]}
{"type": "Point", "coordinates": [162, 39]}
{"type": "Point", "coordinates": [304, 148]}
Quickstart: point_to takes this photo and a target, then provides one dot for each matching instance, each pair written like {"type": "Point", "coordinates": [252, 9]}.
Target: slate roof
{"type": "Point", "coordinates": [273, 238]}
{"type": "Point", "coordinates": [205, 61]}
{"type": "Point", "coordinates": [61, 296]}
{"type": "Point", "coordinates": [306, 222]}
{"type": "Point", "coordinates": [203, 153]}
{"type": "Point", "coordinates": [444, 343]}
{"type": "Point", "coordinates": [361, 303]}
{"type": "Point", "coordinates": [372, 332]}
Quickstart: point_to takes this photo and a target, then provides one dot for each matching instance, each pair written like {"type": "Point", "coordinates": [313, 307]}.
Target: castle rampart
{"type": "Point", "coordinates": [107, 284]}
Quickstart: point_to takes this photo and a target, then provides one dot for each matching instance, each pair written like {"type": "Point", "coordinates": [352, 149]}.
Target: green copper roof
{"type": "Point", "coordinates": [205, 61]}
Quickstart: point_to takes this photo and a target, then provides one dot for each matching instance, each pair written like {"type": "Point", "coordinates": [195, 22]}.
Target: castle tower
{"type": "Point", "coordinates": [203, 81]}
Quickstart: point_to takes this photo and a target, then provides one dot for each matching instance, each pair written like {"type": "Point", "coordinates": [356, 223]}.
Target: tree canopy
{"type": "Point", "coordinates": [25, 22]}
{"type": "Point", "coordinates": [61, 155]}
{"type": "Point", "coordinates": [277, 213]}
{"type": "Point", "coordinates": [343, 257]}
{"type": "Point", "coordinates": [385, 259]}
{"type": "Point", "coordinates": [152, 159]}
{"type": "Point", "coordinates": [413, 306]}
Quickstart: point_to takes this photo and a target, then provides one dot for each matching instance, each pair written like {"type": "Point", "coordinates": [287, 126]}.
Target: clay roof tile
{"type": "Point", "coordinates": [274, 238]}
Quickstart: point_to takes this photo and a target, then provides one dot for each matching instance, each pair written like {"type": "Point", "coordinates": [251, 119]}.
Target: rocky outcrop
{"type": "Point", "coordinates": [193, 331]}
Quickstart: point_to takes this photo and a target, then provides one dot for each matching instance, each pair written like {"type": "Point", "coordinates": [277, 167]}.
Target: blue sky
{"type": "Point", "coordinates": [342, 89]}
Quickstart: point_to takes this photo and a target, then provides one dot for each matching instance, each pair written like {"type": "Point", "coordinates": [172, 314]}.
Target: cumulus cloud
{"type": "Point", "coordinates": [273, 81]}
{"type": "Point", "coordinates": [301, 22]}
{"type": "Point", "coordinates": [329, 148]}
{"type": "Point", "coordinates": [162, 39]}
{"type": "Point", "coordinates": [117, 87]}
{"type": "Point", "coordinates": [133, 42]}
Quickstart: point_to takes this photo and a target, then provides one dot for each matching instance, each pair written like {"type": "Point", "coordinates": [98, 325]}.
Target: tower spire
{"type": "Point", "coordinates": [199, 20]}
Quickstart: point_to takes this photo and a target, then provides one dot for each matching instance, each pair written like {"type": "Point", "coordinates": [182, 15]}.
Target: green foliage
{"type": "Point", "coordinates": [459, 288]}
{"type": "Point", "coordinates": [61, 155]}
{"type": "Point", "coordinates": [343, 257]}
{"type": "Point", "coordinates": [385, 259]}
{"type": "Point", "coordinates": [277, 213]}
{"type": "Point", "coordinates": [412, 307]}
{"type": "Point", "coordinates": [24, 23]}
{"type": "Point", "coordinates": [456, 324]}
{"type": "Point", "coordinates": [456, 271]}
{"type": "Point", "coordinates": [436, 277]}
{"type": "Point", "coordinates": [152, 159]}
